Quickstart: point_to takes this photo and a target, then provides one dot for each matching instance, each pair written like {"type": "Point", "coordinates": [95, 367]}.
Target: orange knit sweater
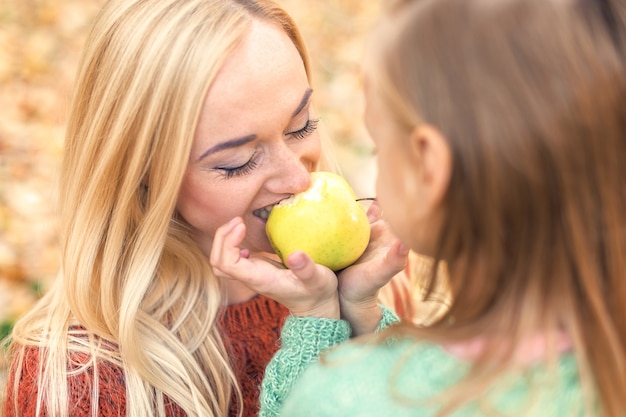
{"type": "Point", "coordinates": [250, 330]}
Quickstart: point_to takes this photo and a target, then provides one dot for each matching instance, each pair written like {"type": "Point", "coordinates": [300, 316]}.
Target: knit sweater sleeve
{"type": "Point", "coordinates": [303, 339]}
{"type": "Point", "coordinates": [389, 318]}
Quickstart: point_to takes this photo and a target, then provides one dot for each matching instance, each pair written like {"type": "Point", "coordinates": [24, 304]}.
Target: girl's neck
{"type": "Point", "coordinates": [528, 351]}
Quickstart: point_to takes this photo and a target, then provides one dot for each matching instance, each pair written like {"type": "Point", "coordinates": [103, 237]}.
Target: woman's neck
{"type": "Point", "coordinates": [237, 292]}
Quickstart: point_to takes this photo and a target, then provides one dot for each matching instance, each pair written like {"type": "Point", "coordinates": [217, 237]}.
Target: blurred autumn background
{"type": "Point", "coordinates": [40, 42]}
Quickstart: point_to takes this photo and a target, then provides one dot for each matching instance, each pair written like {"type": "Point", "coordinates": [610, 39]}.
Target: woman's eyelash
{"type": "Point", "coordinates": [308, 128]}
{"type": "Point", "coordinates": [242, 169]}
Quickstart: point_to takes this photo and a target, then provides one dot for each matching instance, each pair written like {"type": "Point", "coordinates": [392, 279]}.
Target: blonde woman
{"type": "Point", "coordinates": [500, 127]}
{"type": "Point", "coordinates": [186, 113]}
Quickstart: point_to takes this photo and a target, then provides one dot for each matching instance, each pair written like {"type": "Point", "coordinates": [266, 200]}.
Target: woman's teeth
{"type": "Point", "coordinates": [263, 213]}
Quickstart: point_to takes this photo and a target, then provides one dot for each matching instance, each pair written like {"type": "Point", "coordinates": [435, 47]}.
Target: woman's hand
{"type": "Point", "coordinates": [359, 283]}
{"type": "Point", "coordinates": [306, 288]}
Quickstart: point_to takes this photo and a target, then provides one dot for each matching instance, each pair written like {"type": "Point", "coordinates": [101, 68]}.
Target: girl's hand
{"type": "Point", "coordinates": [359, 283]}
{"type": "Point", "coordinates": [306, 288]}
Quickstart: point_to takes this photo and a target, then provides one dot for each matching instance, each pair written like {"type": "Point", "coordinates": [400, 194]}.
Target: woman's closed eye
{"type": "Point", "coordinates": [308, 129]}
{"type": "Point", "coordinates": [245, 168]}
{"type": "Point", "coordinates": [240, 170]}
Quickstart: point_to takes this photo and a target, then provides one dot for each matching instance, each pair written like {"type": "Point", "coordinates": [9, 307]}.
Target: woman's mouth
{"type": "Point", "coordinates": [264, 212]}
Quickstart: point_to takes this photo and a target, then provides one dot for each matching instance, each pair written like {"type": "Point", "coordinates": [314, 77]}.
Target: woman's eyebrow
{"type": "Point", "coordinates": [303, 102]}
{"type": "Point", "coordinates": [232, 143]}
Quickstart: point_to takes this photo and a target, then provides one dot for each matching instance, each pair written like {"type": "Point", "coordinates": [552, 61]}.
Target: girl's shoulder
{"type": "Point", "coordinates": [377, 374]}
{"type": "Point", "coordinates": [403, 375]}
{"type": "Point", "coordinates": [393, 356]}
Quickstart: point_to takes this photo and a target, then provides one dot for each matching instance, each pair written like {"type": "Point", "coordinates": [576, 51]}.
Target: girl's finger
{"type": "Point", "coordinates": [374, 212]}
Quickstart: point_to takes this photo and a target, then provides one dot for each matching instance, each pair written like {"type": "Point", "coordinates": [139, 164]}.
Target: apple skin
{"type": "Point", "coordinates": [325, 221]}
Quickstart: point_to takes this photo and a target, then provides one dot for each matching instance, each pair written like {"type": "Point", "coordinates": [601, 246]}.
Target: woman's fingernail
{"type": "Point", "coordinates": [233, 223]}
{"type": "Point", "coordinates": [297, 260]}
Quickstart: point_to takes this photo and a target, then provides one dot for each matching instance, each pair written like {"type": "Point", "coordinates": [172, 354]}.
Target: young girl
{"type": "Point", "coordinates": [185, 114]}
{"type": "Point", "coordinates": [501, 134]}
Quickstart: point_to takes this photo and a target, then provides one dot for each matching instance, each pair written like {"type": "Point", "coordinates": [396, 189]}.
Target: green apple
{"type": "Point", "coordinates": [325, 221]}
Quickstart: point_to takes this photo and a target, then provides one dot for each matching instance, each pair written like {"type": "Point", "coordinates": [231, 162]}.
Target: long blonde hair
{"type": "Point", "coordinates": [531, 97]}
{"type": "Point", "coordinates": [134, 288]}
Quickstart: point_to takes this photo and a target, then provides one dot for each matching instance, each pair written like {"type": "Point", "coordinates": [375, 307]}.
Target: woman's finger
{"type": "Point", "coordinates": [225, 251]}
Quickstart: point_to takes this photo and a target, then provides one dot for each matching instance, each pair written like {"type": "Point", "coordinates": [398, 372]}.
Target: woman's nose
{"type": "Point", "coordinates": [291, 174]}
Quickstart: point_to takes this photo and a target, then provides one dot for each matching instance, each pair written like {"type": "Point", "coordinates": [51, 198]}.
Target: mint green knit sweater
{"type": "Point", "coordinates": [390, 379]}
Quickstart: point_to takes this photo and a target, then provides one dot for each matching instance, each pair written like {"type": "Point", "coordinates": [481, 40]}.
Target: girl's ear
{"type": "Point", "coordinates": [434, 157]}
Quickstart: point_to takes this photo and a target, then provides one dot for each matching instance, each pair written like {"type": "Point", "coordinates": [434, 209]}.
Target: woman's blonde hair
{"type": "Point", "coordinates": [531, 97]}
{"type": "Point", "coordinates": [134, 288]}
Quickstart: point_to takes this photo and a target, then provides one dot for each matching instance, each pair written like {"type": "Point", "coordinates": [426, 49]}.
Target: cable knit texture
{"type": "Point", "coordinates": [303, 339]}
{"type": "Point", "coordinates": [250, 329]}
{"type": "Point", "coordinates": [111, 398]}
{"type": "Point", "coordinates": [401, 377]}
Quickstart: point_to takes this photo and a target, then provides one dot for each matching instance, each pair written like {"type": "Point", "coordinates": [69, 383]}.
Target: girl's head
{"type": "Point", "coordinates": [500, 130]}
{"type": "Point", "coordinates": [503, 121]}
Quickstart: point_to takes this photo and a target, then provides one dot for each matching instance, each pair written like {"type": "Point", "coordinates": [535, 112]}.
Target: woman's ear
{"type": "Point", "coordinates": [434, 157]}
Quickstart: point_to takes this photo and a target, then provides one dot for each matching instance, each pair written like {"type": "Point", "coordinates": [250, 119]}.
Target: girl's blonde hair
{"type": "Point", "coordinates": [134, 288]}
{"type": "Point", "coordinates": [531, 97]}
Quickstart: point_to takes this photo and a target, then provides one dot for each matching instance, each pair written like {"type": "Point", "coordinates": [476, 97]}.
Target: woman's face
{"type": "Point", "coordinates": [256, 139]}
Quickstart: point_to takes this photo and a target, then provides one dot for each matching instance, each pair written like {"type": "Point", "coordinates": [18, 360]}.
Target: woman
{"type": "Point", "coordinates": [185, 115]}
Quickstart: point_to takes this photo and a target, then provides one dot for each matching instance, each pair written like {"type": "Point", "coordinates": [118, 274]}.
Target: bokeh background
{"type": "Point", "coordinates": [40, 41]}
